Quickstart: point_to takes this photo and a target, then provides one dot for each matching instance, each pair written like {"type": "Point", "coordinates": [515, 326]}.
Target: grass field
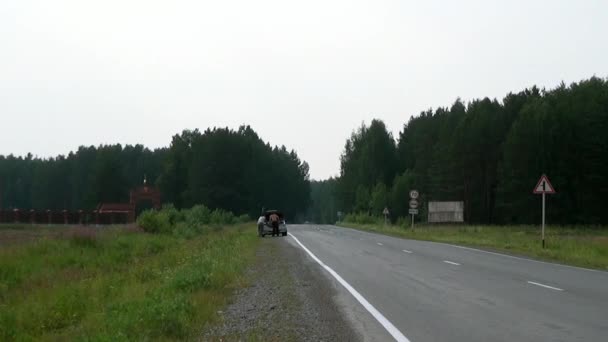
{"type": "Point", "coordinates": [579, 246]}
{"type": "Point", "coordinates": [119, 284]}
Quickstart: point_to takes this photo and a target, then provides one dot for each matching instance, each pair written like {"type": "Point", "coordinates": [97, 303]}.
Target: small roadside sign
{"type": "Point", "coordinates": [544, 186]}
{"type": "Point", "coordinates": [385, 212]}
{"type": "Point", "coordinates": [413, 204]}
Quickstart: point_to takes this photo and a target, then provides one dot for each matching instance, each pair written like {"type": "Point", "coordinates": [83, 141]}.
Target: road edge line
{"type": "Point", "coordinates": [390, 328]}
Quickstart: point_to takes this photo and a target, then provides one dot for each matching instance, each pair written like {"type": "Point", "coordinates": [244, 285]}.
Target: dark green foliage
{"type": "Point", "coordinates": [323, 207]}
{"type": "Point", "coordinates": [378, 198]}
{"type": "Point", "coordinates": [222, 168]}
{"type": "Point", "coordinates": [199, 214]}
{"type": "Point", "coordinates": [564, 134]}
{"type": "Point", "coordinates": [80, 180]}
{"type": "Point", "coordinates": [235, 171]}
{"type": "Point", "coordinates": [154, 221]}
{"type": "Point", "coordinates": [369, 157]}
{"type": "Point", "coordinates": [399, 195]}
{"type": "Point", "coordinates": [490, 154]}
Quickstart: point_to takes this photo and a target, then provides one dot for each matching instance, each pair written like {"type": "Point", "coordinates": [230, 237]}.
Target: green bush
{"type": "Point", "coordinates": [152, 221]}
{"type": "Point", "coordinates": [199, 214]}
{"type": "Point", "coordinates": [173, 214]}
{"type": "Point", "coordinates": [219, 216]}
{"type": "Point", "coordinates": [186, 223]}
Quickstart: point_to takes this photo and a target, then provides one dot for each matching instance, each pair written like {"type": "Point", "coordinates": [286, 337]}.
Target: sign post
{"type": "Point", "coordinates": [412, 221]}
{"type": "Point", "coordinates": [385, 212]}
{"type": "Point", "coordinates": [543, 223]}
{"type": "Point", "coordinates": [543, 187]}
{"type": "Point", "coordinates": [413, 204]}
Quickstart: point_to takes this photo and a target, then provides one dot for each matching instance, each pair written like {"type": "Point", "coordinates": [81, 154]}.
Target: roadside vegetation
{"type": "Point", "coordinates": [186, 222]}
{"type": "Point", "coordinates": [162, 281]}
{"type": "Point", "coordinates": [221, 167]}
{"type": "Point", "coordinates": [584, 246]}
{"type": "Point", "coordinates": [488, 153]}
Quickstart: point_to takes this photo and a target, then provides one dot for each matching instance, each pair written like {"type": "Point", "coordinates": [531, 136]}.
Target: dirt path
{"type": "Point", "coordinates": [288, 300]}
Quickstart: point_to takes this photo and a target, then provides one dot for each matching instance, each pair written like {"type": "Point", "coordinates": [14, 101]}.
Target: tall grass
{"type": "Point", "coordinates": [362, 218]}
{"type": "Point", "coordinates": [186, 222]}
{"type": "Point", "coordinates": [120, 285]}
{"type": "Point", "coordinates": [581, 246]}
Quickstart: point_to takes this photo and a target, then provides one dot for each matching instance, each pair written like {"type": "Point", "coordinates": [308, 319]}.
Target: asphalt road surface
{"type": "Point", "coordinates": [425, 291]}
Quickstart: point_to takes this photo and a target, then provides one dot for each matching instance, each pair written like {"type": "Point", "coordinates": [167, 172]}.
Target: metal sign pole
{"type": "Point", "coordinates": [413, 205]}
{"type": "Point", "coordinates": [543, 224]}
{"type": "Point", "coordinates": [543, 187]}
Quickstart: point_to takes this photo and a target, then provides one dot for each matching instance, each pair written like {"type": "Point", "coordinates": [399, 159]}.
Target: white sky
{"type": "Point", "coordinates": [303, 74]}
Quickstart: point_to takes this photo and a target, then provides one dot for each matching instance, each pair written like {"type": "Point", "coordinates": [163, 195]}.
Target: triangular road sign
{"type": "Point", "coordinates": [544, 186]}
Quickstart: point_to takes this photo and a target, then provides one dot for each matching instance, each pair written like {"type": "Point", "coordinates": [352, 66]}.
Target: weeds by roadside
{"type": "Point", "coordinates": [120, 284]}
{"type": "Point", "coordinates": [186, 222]}
{"type": "Point", "coordinates": [580, 246]}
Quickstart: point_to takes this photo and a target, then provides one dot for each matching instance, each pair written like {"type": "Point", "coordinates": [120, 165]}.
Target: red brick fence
{"type": "Point", "coordinates": [80, 217]}
{"type": "Point", "coordinates": [106, 213]}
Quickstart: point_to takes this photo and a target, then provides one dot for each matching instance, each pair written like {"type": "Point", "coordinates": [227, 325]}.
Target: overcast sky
{"type": "Point", "coordinates": [303, 74]}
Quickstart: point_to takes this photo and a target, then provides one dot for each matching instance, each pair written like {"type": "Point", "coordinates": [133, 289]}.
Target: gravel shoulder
{"type": "Point", "coordinates": [287, 299]}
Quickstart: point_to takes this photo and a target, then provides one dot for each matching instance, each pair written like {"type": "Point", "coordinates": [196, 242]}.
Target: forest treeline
{"type": "Point", "coordinates": [233, 170]}
{"type": "Point", "coordinates": [487, 153]}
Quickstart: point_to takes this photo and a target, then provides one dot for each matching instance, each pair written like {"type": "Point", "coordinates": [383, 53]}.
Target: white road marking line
{"type": "Point", "coordinates": [545, 286]}
{"type": "Point", "coordinates": [397, 335]}
{"type": "Point", "coordinates": [379, 244]}
{"type": "Point", "coordinates": [406, 251]}
{"type": "Point", "coordinates": [451, 262]}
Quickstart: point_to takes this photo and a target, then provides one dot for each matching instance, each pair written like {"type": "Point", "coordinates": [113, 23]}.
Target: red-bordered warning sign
{"type": "Point", "coordinates": [544, 186]}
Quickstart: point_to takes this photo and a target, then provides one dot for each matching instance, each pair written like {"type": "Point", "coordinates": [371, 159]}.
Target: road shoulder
{"type": "Point", "coordinates": [288, 299]}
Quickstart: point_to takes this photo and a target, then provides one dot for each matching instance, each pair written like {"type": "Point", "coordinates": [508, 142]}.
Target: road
{"type": "Point", "coordinates": [439, 292]}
